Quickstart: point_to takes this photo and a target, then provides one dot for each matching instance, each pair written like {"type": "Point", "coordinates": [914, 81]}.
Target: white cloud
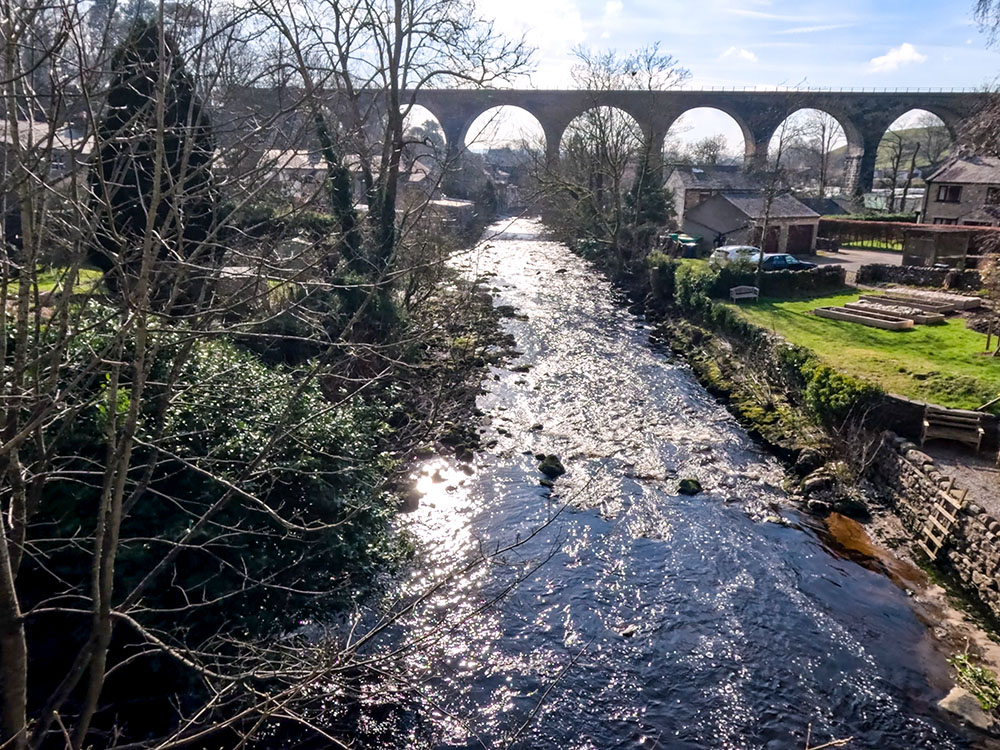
{"type": "Point", "coordinates": [742, 54]}
{"type": "Point", "coordinates": [764, 15]}
{"type": "Point", "coordinates": [553, 26]}
{"type": "Point", "coordinates": [612, 14]}
{"type": "Point", "coordinates": [814, 29]}
{"type": "Point", "coordinates": [895, 58]}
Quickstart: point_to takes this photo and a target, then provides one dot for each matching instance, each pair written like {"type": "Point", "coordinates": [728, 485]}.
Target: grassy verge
{"type": "Point", "coordinates": [942, 364]}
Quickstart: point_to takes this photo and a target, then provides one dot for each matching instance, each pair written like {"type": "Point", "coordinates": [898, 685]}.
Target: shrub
{"type": "Point", "coordinates": [324, 473]}
{"type": "Point", "coordinates": [662, 270]}
{"type": "Point", "coordinates": [694, 283]}
{"type": "Point", "coordinates": [833, 397]}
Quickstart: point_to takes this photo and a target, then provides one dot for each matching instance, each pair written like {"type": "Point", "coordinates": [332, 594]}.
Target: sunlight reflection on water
{"type": "Point", "coordinates": [610, 611]}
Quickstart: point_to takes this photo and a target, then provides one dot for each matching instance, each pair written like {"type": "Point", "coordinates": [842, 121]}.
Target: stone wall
{"type": "Point", "coordinates": [946, 278]}
{"type": "Point", "coordinates": [909, 481]}
{"type": "Point", "coordinates": [905, 417]}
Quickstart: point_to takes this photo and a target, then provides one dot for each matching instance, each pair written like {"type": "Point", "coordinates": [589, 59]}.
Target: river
{"type": "Point", "coordinates": [610, 611]}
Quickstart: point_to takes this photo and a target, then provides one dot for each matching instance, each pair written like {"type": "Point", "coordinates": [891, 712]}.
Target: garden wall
{"type": "Point", "coordinates": [905, 417]}
{"type": "Point", "coordinates": [910, 482]}
{"type": "Point", "coordinates": [815, 281]}
{"type": "Point", "coordinates": [940, 278]}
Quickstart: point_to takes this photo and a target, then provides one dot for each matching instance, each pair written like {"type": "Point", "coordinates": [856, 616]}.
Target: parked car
{"type": "Point", "coordinates": [734, 253]}
{"type": "Point", "coordinates": [784, 262]}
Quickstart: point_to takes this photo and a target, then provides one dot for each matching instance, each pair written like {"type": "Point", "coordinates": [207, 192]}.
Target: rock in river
{"type": "Point", "coordinates": [551, 466]}
{"type": "Point", "coordinates": [689, 487]}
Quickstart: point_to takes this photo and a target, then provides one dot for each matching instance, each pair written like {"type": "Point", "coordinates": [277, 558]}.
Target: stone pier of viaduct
{"type": "Point", "coordinates": [865, 116]}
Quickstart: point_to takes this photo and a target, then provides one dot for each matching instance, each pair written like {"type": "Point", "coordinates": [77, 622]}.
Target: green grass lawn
{"type": "Point", "coordinates": [942, 364]}
{"type": "Point", "coordinates": [50, 279]}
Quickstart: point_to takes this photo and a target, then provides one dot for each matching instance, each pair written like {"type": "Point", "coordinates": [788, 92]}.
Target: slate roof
{"type": "Point", "coordinates": [784, 206]}
{"type": "Point", "coordinates": [37, 134]}
{"type": "Point", "coordinates": [824, 206]}
{"type": "Point", "coordinates": [730, 178]}
{"type": "Point", "coordinates": [970, 170]}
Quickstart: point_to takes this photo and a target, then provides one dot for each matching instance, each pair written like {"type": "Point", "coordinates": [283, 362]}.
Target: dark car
{"type": "Point", "coordinates": [783, 262]}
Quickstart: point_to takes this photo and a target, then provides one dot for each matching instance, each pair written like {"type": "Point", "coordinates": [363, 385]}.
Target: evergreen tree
{"type": "Point", "coordinates": [130, 142]}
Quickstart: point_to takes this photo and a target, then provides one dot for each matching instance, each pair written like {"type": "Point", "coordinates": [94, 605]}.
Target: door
{"type": "Point", "coordinates": [800, 239]}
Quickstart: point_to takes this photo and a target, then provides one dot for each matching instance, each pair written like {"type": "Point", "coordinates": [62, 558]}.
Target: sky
{"type": "Point", "coordinates": [766, 43]}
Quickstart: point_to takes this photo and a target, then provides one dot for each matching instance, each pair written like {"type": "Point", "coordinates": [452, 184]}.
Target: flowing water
{"type": "Point", "coordinates": [610, 611]}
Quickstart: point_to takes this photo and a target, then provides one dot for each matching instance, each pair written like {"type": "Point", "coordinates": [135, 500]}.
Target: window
{"type": "Point", "coordinates": [949, 193]}
{"type": "Point", "coordinates": [976, 224]}
{"type": "Point", "coordinates": [939, 220]}
{"type": "Point", "coordinates": [992, 196]}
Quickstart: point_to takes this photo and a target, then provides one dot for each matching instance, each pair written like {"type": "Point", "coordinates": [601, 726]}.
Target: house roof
{"type": "Point", "coordinates": [720, 177]}
{"type": "Point", "coordinates": [36, 134]}
{"type": "Point", "coordinates": [784, 206]}
{"type": "Point", "coordinates": [975, 170]}
{"type": "Point", "coordinates": [726, 212]}
{"type": "Point", "coordinates": [824, 206]}
{"type": "Point", "coordinates": [277, 159]}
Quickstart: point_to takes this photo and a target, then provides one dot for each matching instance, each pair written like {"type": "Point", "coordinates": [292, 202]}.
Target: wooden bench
{"type": "Point", "coordinates": [744, 292]}
{"type": "Point", "coordinates": [953, 424]}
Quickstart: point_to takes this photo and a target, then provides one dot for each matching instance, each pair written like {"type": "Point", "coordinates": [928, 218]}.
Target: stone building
{"type": "Point", "coordinates": [691, 185]}
{"type": "Point", "coordinates": [737, 219]}
{"type": "Point", "coordinates": [965, 191]}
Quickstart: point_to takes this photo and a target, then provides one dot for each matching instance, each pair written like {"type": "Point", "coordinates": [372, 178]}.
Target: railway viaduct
{"type": "Point", "coordinates": [865, 116]}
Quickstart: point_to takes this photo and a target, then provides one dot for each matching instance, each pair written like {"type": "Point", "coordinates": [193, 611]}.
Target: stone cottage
{"type": "Point", "coordinates": [965, 191]}
{"type": "Point", "coordinates": [738, 219]}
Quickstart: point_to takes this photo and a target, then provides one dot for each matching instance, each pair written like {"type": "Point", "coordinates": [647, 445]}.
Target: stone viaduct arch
{"type": "Point", "coordinates": [865, 116]}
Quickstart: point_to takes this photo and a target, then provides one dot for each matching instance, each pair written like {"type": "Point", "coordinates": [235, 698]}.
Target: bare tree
{"type": "Point", "coordinates": [898, 149]}
{"type": "Point", "coordinates": [935, 140]}
{"type": "Point", "coordinates": [822, 132]}
{"type": "Point", "coordinates": [774, 180]}
{"type": "Point", "coordinates": [368, 59]}
{"type": "Point", "coordinates": [160, 480]}
{"type": "Point", "coordinates": [909, 176]}
{"type": "Point", "coordinates": [895, 148]}
{"type": "Point", "coordinates": [608, 184]}
{"type": "Point", "coordinates": [708, 150]}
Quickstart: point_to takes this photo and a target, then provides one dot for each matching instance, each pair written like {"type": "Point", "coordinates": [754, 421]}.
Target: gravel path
{"type": "Point", "coordinates": [977, 473]}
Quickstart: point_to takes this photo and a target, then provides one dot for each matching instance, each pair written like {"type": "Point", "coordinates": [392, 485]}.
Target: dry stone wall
{"type": "Point", "coordinates": [911, 483]}
{"type": "Point", "coordinates": [939, 278]}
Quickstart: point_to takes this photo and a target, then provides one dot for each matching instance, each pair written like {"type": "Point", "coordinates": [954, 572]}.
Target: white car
{"type": "Point", "coordinates": [733, 253]}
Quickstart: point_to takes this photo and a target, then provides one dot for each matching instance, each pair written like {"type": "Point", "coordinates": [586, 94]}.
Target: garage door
{"type": "Point", "coordinates": [800, 239]}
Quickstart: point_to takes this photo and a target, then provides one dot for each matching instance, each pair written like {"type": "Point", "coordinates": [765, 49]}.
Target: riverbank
{"type": "Point", "coordinates": [828, 430]}
{"type": "Point", "coordinates": [729, 617]}
{"type": "Point", "coordinates": [462, 338]}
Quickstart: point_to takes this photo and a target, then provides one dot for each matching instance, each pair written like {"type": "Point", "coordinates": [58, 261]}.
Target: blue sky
{"type": "Point", "coordinates": [766, 42]}
{"type": "Point", "coordinates": [788, 43]}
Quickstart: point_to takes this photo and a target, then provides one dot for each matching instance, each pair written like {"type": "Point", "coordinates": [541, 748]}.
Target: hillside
{"type": "Point", "coordinates": [936, 139]}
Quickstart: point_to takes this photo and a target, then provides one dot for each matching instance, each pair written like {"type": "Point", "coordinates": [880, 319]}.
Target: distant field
{"type": "Point", "coordinates": [941, 364]}
{"type": "Point", "coordinates": [911, 136]}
